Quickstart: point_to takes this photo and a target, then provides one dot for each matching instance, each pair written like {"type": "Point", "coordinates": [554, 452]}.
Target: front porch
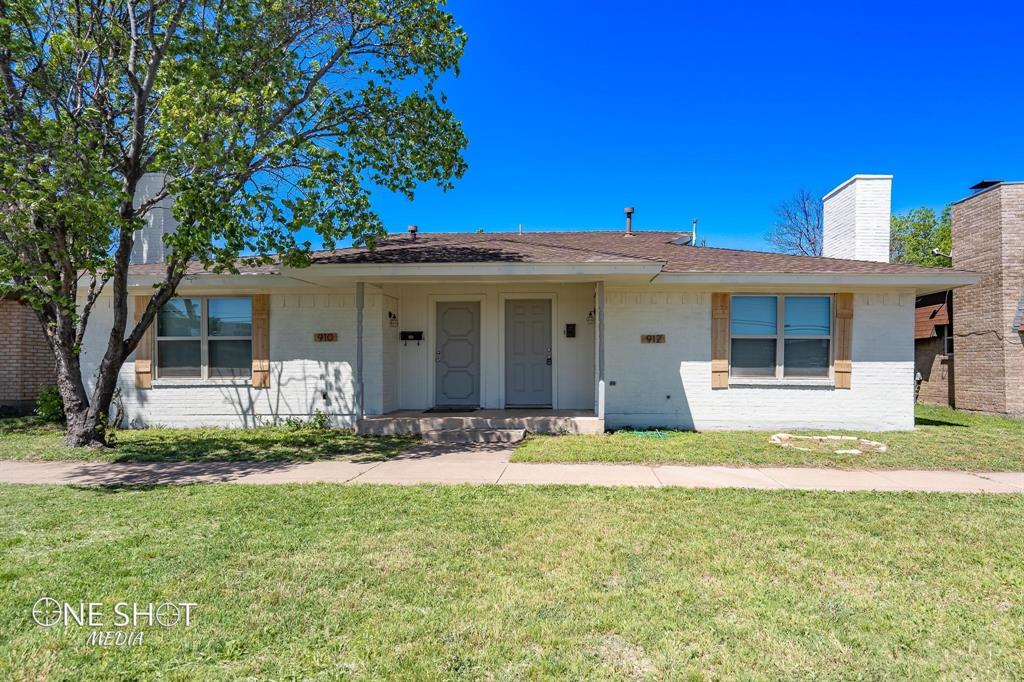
{"type": "Point", "coordinates": [506, 356]}
{"type": "Point", "coordinates": [480, 426]}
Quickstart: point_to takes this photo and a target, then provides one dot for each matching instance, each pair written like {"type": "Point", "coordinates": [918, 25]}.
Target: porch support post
{"type": "Point", "coordinates": [360, 298]}
{"type": "Point", "coordinates": [600, 350]}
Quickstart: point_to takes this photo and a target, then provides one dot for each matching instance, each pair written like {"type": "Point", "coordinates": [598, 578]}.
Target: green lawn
{"type": "Point", "coordinates": [488, 582]}
{"type": "Point", "coordinates": [27, 439]}
{"type": "Point", "coordinates": [943, 439]}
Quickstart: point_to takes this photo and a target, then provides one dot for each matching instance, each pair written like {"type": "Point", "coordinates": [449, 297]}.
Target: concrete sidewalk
{"type": "Point", "coordinates": [457, 464]}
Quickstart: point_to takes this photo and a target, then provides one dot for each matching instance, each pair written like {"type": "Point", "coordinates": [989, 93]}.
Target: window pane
{"type": "Point", "coordinates": [806, 358]}
{"type": "Point", "coordinates": [178, 359]}
{"type": "Point", "coordinates": [808, 315]}
{"type": "Point", "coordinates": [179, 317]}
{"type": "Point", "coordinates": [230, 358]}
{"type": "Point", "coordinates": [754, 315]}
{"type": "Point", "coordinates": [229, 316]}
{"type": "Point", "coordinates": [753, 358]}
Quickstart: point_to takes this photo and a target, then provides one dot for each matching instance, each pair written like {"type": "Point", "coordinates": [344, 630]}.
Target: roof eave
{"type": "Point", "coordinates": [922, 282]}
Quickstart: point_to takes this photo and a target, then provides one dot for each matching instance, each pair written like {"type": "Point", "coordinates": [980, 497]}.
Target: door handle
{"type": "Point", "coordinates": [549, 361]}
{"type": "Point", "coordinates": [437, 356]}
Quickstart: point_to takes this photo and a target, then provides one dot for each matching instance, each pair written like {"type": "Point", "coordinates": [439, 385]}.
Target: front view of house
{"type": "Point", "coordinates": [591, 330]}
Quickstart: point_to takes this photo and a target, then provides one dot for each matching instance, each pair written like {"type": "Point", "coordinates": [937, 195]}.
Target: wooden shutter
{"type": "Point", "coordinates": [261, 341]}
{"type": "Point", "coordinates": [719, 341]}
{"type": "Point", "coordinates": [843, 339]}
{"type": "Point", "coordinates": [144, 351]}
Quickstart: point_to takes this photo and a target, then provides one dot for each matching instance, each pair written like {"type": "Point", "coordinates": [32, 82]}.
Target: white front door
{"type": "Point", "coordinates": [528, 353]}
{"type": "Point", "coordinates": [457, 356]}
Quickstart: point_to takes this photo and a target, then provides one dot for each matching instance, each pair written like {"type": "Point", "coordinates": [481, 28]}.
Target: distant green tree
{"type": "Point", "coordinates": [918, 234]}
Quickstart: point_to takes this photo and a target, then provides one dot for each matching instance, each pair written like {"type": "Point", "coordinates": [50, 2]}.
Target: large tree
{"type": "Point", "coordinates": [267, 115]}
{"type": "Point", "coordinates": [798, 227]}
{"type": "Point", "coordinates": [921, 237]}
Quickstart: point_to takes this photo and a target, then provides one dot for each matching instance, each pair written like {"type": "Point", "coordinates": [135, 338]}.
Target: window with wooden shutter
{"type": "Point", "coordinates": [844, 340]}
{"type": "Point", "coordinates": [144, 351]}
{"type": "Point", "coordinates": [719, 341]}
{"type": "Point", "coordinates": [261, 341]}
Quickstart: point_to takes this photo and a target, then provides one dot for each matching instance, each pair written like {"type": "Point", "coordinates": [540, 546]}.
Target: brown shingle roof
{"type": "Point", "coordinates": [654, 248]}
{"type": "Point", "coordinates": [597, 246]}
{"type": "Point", "coordinates": [928, 317]}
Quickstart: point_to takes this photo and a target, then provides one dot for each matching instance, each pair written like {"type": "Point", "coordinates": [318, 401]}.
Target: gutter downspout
{"type": "Point", "coordinates": [600, 351]}
{"type": "Point", "coordinates": [360, 298]}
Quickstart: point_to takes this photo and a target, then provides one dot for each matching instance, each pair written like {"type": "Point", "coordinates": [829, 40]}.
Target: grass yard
{"type": "Point", "coordinates": [470, 582]}
{"type": "Point", "coordinates": [28, 439]}
{"type": "Point", "coordinates": [943, 439]}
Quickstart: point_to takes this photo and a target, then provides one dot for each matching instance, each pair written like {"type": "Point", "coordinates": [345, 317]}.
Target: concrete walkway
{"type": "Point", "coordinates": [457, 464]}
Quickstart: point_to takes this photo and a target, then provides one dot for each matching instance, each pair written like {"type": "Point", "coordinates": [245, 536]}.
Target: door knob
{"type": "Point", "coordinates": [549, 361]}
{"type": "Point", "coordinates": [437, 356]}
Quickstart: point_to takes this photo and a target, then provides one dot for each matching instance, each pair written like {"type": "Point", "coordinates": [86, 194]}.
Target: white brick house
{"type": "Point", "coordinates": [607, 329]}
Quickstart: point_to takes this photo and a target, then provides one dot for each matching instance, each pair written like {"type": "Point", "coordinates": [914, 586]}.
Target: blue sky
{"type": "Point", "coordinates": [719, 111]}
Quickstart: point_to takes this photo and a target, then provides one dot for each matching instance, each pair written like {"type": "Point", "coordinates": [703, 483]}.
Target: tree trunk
{"type": "Point", "coordinates": [83, 428]}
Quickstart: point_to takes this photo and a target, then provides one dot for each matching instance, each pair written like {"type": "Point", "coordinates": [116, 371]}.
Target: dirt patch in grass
{"type": "Point", "coordinates": [624, 658]}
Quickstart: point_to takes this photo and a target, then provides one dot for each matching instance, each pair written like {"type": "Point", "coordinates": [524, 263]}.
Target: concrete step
{"type": "Point", "coordinates": [474, 435]}
{"type": "Point", "coordinates": [383, 425]}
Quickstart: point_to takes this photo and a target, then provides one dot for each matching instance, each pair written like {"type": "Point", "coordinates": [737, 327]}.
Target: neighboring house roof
{"type": "Point", "coordinates": [928, 317]}
{"type": "Point", "coordinates": [593, 247]}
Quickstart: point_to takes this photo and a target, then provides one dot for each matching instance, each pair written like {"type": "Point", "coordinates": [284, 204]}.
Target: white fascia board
{"type": "Point", "coordinates": [252, 281]}
{"type": "Point", "coordinates": [460, 270]}
{"type": "Point", "coordinates": [922, 283]}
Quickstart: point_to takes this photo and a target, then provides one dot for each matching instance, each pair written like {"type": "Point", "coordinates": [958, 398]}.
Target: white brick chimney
{"type": "Point", "coordinates": [856, 218]}
{"type": "Point", "coordinates": [148, 243]}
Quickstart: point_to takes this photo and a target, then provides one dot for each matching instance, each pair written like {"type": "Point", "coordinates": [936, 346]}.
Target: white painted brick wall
{"type": "Point", "coordinates": [670, 384]}
{"type": "Point", "coordinates": [857, 217]}
{"type": "Point", "coordinates": [655, 384]}
{"type": "Point", "coordinates": [302, 371]}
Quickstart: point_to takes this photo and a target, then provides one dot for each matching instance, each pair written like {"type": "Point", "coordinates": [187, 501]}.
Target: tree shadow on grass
{"type": "Point", "coordinates": [254, 445]}
{"type": "Point", "coordinates": [28, 425]}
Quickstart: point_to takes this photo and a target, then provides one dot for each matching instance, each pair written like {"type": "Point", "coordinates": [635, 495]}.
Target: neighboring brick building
{"type": "Point", "coordinates": [26, 362]}
{"type": "Point", "coordinates": [933, 358]}
{"type": "Point", "coordinates": [988, 238]}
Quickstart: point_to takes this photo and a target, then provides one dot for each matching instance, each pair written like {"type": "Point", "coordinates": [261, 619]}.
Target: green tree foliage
{"type": "Point", "coordinates": [918, 233]}
{"type": "Point", "coordinates": [268, 116]}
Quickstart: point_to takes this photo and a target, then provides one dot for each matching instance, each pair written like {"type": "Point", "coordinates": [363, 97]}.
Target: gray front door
{"type": "Point", "coordinates": [528, 353]}
{"type": "Point", "coordinates": [457, 356]}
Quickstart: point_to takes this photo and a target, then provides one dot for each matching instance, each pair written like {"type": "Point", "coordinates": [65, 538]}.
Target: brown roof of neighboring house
{"type": "Point", "coordinates": [928, 317]}
{"type": "Point", "coordinates": [655, 248]}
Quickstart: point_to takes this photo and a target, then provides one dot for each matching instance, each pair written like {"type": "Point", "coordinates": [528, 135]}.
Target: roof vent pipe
{"type": "Point", "coordinates": [629, 220]}
{"type": "Point", "coordinates": [412, 231]}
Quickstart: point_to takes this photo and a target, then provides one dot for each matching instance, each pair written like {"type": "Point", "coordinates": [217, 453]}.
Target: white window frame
{"type": "Point", "coordinates": [204, 343]}
{"type": "Point", "coordinates": [780, 340]}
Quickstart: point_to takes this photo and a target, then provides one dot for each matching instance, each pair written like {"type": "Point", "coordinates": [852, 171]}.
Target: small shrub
{"type": "Point", "coordinates": [49, 405]}
{"type": "Point", "coordinates": [318, 422]}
